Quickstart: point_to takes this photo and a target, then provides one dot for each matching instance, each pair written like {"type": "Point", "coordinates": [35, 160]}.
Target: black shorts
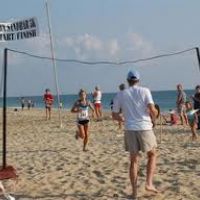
{"type": "Point", "coordinates": [83, 122]}
{"type": "Point", "coordinates": [48, 106]}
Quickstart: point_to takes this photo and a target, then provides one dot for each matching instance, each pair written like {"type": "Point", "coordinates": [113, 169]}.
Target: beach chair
{"type": "Point", "coordinates": [7, 173]}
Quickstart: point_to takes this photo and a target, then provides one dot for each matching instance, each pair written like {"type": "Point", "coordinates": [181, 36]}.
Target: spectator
{"type": "Point", "coordinates": [138, 110]}
{"type": "Point", "coordinates": [180, 103]}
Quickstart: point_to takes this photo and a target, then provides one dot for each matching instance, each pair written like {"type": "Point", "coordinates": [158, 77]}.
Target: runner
{"type": "Point", "coordinates": [81, 107]}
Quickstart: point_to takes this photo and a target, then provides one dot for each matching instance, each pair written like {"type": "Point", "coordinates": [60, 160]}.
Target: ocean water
{"type": "Point", "coordinates": [165, 99]}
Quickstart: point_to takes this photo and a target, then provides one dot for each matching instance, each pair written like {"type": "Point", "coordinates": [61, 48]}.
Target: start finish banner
{"type": "Point", "coordinates": [18, 30]}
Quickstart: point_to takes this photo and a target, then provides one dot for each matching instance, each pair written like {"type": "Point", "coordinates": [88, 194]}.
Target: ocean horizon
{"type": "Point", "coordinates": [165, 99]}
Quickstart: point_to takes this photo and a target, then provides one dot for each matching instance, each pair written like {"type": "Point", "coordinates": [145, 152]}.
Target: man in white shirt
{"type": "Point", "coordinates": [138, 110]}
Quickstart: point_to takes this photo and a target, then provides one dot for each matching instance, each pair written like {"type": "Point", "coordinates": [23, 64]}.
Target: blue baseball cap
{"type": "Point", "coordinates": [133, 75]}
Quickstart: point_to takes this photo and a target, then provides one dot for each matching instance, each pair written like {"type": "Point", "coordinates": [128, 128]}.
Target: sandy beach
{"type": "Point", "coordinates": [52, 166]}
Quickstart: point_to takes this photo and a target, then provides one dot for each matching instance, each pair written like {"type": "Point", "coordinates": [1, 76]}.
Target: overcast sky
{"type": "Point", "coordinates": [112, 30]}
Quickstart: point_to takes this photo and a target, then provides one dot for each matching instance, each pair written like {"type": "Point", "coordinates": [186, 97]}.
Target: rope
{"type": "Point", "coordinates": [103, 62]}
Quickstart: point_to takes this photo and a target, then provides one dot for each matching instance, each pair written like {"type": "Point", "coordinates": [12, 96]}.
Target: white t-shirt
{"type": "Point", "coordinates": [133, 103]}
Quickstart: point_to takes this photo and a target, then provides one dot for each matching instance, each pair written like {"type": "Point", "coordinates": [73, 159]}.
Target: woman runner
{"type": "Point", "coordinates": [81, 107]}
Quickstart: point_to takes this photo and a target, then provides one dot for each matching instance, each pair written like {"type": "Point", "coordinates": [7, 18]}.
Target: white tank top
{"type": "Point", "coordinates": [97, 99]}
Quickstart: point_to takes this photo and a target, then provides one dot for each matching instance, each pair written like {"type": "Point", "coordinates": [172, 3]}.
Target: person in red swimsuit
{"type": "Point", "coordinates": [48, 100]}
{"type": "Point", "coordinates": [173, 118]}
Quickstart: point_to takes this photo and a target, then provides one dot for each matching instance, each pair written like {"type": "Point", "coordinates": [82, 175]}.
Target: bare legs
{"type": "Point", "coordinates": [83, 134]}
{"type": "Point", "coordinates": [151, 165]}
{"type": "Point", "coordinates": [183, 117]}
{"type": "Point", "coordinates": [193, 129]}
{"type": "Point", "coordinates": [98, 112]}
{"type": "Point", "coordinates": [120, 125]}
{"type": "Point", "coordinates": [48, 113]}
{"type": "Point", "coordinates": [186, 119]}
{"type": "Point", "coordinates": [133, 173]}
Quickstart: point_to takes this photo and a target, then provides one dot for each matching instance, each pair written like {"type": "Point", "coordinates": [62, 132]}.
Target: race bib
{"type": "Point", "coordinates": [83, 114]}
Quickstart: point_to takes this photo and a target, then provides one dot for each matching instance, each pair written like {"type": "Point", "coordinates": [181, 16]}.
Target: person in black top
{"type": "Point", "coordinates": [196, 100]}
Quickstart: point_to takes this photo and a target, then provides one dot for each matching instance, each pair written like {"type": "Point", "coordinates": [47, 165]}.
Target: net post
{"type": "Point", "coordinates": [53, 61]}
{"type": "Point", "coordinates": [6, 171]}
{"type": "Point", "coordinates": [4, 108]}
{"type": "Point", "coordinates": [198, 56]}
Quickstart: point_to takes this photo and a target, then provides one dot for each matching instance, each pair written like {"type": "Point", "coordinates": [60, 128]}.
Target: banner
{"type": "Point", "coordinates": [23, 29]}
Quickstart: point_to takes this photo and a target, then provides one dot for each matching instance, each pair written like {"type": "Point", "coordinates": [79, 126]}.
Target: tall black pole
{"type": "Point", "coordinates": [198, 56]}
{"type": "Point", "coordinates": [4, 107]}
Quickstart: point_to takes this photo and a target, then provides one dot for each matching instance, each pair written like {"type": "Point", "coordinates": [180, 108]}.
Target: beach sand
{"type": "Point", "coordinates": [52, 166]}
